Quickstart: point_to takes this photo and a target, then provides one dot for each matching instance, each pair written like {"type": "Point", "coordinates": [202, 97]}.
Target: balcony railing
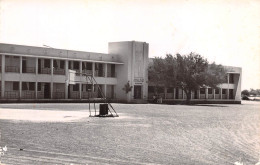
{"type": "Point", "coordinates": [15, 69]}
{"type": "Point", "coordinates": [45, 71]}
{"type": "Point", "coordinates": [28, 70]}
{"type": "Point", "coordinates": [74, 95]}
{"type": "Point", "coordinates": [111, 74]}
{"type": "Point", "coordinates": [99, 74]}
{"type": "Point", "coordinates": [11, 94]}
{"type": "Point", "coordinates": [58, 71]}
{"type": "Point", "coordinates": [28, 94]}
{"type": "Point", "coordinates": [89, 72]}
{"type": "Point", "coordinates": [58, 95]}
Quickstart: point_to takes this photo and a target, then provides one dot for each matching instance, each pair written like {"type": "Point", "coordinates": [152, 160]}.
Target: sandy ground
{"type": "Point", "coordinates": [143, 134]}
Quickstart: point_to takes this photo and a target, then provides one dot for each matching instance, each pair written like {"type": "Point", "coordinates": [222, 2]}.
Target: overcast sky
{"type": "Point", "coordinates": [224, 31]}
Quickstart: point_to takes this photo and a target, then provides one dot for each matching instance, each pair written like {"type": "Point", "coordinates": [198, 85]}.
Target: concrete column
{"type": "Point", "coordinates": [182, 92]}
{"type": "Point", "coordinates": [93, 69]}
{"type": "Point", "coordinates": [80, 90]}
{"type": "Point", "coordinates": [66, 79]}
{"type": "Point", "coordinates": [207, 92]}
{"type": "Point", "coordinates": [220, 92]}
{"type": "Point", "coordinates": [36, 81]}
{"type": "Point", "coordinates": [80, 84]}
{"type": "Point", "coordinates": [20, 77]}
{"type": "Point", "coordinates": [199, 94]}
{"type": "Point", "coordinates": [3, 77]}
{"type": "Point", "coordinates": [165, 92]}
{"type": "Point", "coordinates": [80, 67]}
{"type": "Point", "coordinates": [105, 70]}
{"type": "Point", "coordinates": [228, 86]}
{"type": "Point", "coordinates": [51, 78]}
{"type": "Point", "coordinates": [213, 90]}
{"type": "Point", "coordinates": [105, 90]}
{"type": "Point", "coordinates": [20, 89]}
{"type": "Point", "coordinates": [174, 93]}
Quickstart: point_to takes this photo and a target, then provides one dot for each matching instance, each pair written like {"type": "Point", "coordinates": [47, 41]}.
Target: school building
{"type": "Point", "coordinates": [39, 74]}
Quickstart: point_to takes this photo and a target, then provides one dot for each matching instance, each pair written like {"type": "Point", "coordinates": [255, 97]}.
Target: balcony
{"type": "Point", "coordinates": [58, 71]}
{"type": "Point", "coordinates": [28, 94]}
{"type": "Point", "coordinates": [58, 95]}
{"type": "Point", "coordinates": [88, 72]}
{"type": "Point", "coordinates": [29, 70]}
{"type": "Point", "coordinates": [45, 71]}
{"type": "Point", "coordinates": [14, 69]}
{"type": "Point", "coordinates": [11, 94]}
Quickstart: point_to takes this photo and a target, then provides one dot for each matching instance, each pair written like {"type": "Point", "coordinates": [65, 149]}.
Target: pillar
{"type": "Point", "coordinates": [220, 92]}
{"type": "Point", "coordinates": [207, 92]}
{"type": "Point", "coordinates": [80, 84]}
{"type": "Point", "coordinates": [20, 77]}
{"type": "Point", "coordinates": [93, 69]}
{"type": "Point", "coordinates": [105, 70]}
{"type": "Point", "coordinates": [199, 94]}
{"type": "Point", "coordinates": [66, 79]}
{"type": "Point", "coordinates": [174, 93]}
{"type": "Point", "coordinates": [213, 91]}
{"type": "Point", "coordinates": [228, 86]}
{"type": "Point", "coordinates": [105, 90]}
{"type": "Point", "coordinates": [36, 82]}
{"type": "Point", "coordinates": [51, 78]}
{"type": "Point", "coordinates": [3, 77]}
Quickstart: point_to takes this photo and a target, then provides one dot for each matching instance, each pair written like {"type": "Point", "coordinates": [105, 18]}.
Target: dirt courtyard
{"type": "Point", "coordinates": [143, 134]}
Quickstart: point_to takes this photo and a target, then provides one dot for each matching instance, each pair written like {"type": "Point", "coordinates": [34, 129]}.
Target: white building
{"type": "Point", "coordinates": [40, 74]}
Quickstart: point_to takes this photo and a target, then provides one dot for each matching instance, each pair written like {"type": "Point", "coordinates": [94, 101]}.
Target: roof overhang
{"type": "Point", "coordinates": [62, 58]}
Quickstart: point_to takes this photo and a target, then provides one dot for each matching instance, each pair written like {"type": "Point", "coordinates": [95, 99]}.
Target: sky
{"type": "Point", "coordinates": [224, 31]}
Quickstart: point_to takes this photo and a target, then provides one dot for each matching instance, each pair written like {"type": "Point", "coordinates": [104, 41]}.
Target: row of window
{"type": "Point", "coordinates": [151, 89]}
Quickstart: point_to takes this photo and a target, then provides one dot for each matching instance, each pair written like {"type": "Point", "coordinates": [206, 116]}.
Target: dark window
{"type": "Point", "coordinates": [31, 86]}
{"type": "Point", "coordinates": [88, 87]}
{"type": "Point", "coordinates": [89, 66]}
{"type": "Point", "coordinates": [170, 90]}
{"type": "Point", "coordinates": [15, 86]}
{"type": "Point", "coordinates": [202, 90]}
{"type": "Point", "coordinates": [150, 89]}
{"type": "Point", "coordinates": [224, 91]}
{"type": "Point", "coordinates": [62, 64]}
{"type": "Point", "coordinates": [231, 78]}
{"type": "Point", "coordinates": [55, 63]}
{"type": "Point", "coordinates": [160, 90]}
{"type": "Point", "coordinates": [210, 91]}
{"type": "Point", "coordinates": [24, 86]}
{"type": "Point", "coordinates": [76, 65]}
{"type": "Point", "coordinates": [47, 63]}
{"type": "Point", "coordinates": [39, 87]}
{"type": "Point", "coordinates": [217, 91]}
{"type": "Point", "coordinates": [76, 87]}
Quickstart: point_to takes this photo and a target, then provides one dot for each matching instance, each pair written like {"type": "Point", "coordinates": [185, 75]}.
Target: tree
{"type": "Point", "coordinates": [245, 92]}
{"type": "Point", "coordinates": [195, 72]}
{"type": "Point", "coordinates": [190, 72]}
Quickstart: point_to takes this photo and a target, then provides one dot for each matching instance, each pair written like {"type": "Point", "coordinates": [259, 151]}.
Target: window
{"type": "Point", "coordinates": [170, 90]}
{"type": "Point", "coordinates": [202, 90]}
{"type": "Point", "coordinates": [39, 86]}
{"type": "Point", "coordinates": [76, 87]}
{"type": "Point", "coordinates": [47, 63]}
{"type": "Point", "coordinates": [55, 63]}
{"type": "Point", "coordinates": [231, 78]}
{"type": "Point", "coordinates": [76, 65]}
{"type": "Point", "coordinates": [62, 64]}
{"type": "Point", "coordinates": [150, 89]}
{"type": "Point", "coordinates": [89, 66]}
{"type": "Point", "coordinates": [15, 86]}
{"type": "Point", "coordinates": [25, 86]}
{"type": "Point", "coordinates": [88, 87]}
{"type": "Point", "coordinates": [224, 91]}
{"type": "Point", "coordinates": [31, 86]}
{"type": "Point", "coordinates": [217, 91]}
{"type": "Point", "coordinates": [210, 91]}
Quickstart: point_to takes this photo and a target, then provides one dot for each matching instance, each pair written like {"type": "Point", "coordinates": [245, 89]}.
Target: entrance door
{"type": "Point", "coordinates": [46, 90]}
{"type": "Point", "coordinates": [137, 92]}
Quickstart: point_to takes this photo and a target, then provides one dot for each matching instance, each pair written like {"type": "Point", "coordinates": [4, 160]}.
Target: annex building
{"type": "Point", "coordinates": [30, 73]}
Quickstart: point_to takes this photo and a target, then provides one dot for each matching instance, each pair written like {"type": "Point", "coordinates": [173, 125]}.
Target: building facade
{"type": "Point", "coordinates": [39, 74]}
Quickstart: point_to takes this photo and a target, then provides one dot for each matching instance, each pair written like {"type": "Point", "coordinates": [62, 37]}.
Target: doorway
{"type": "Point", "coordinates": [46, 90]}
{"type": "Point", "coordinates": [137, 92]}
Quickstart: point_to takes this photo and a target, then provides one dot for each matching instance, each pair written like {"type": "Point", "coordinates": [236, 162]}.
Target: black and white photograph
{"type": "Point", "coordinates": [129, 82]}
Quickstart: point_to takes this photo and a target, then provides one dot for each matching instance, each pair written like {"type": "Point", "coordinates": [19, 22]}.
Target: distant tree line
{"type": "Point", "coordinates": [250, 92]}
{"type": "Point", "coordinates": [189, 72]}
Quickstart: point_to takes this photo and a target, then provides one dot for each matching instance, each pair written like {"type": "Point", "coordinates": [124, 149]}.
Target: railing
{"type": "Point", "coordinates": [59, 71]}
{"type": "Point", "coordinates": [111, 74]}
{"type": "Point", "coordinates": [86, 95]}
{"type": "Point", "coordinates": [40, 95]}
{"type": "Point", "coordinates": [45, 71]}
{"type": "Point", "coordinates": [11, 94]}
{"type": "Point", "coordinates": [58, 95]}
{"type": "Point", "coordinates": [28, 70]}
{"type": "Point", "coordinates": [99, 73]}
{"type": "Point", "coordinates": [89, 72]}
{"type": "Point", "coordinates": [28, 94]}
{"type": "Point", "coordinates": [74, 95]}
{"type": "Point", "coordinates": [14, 69]}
